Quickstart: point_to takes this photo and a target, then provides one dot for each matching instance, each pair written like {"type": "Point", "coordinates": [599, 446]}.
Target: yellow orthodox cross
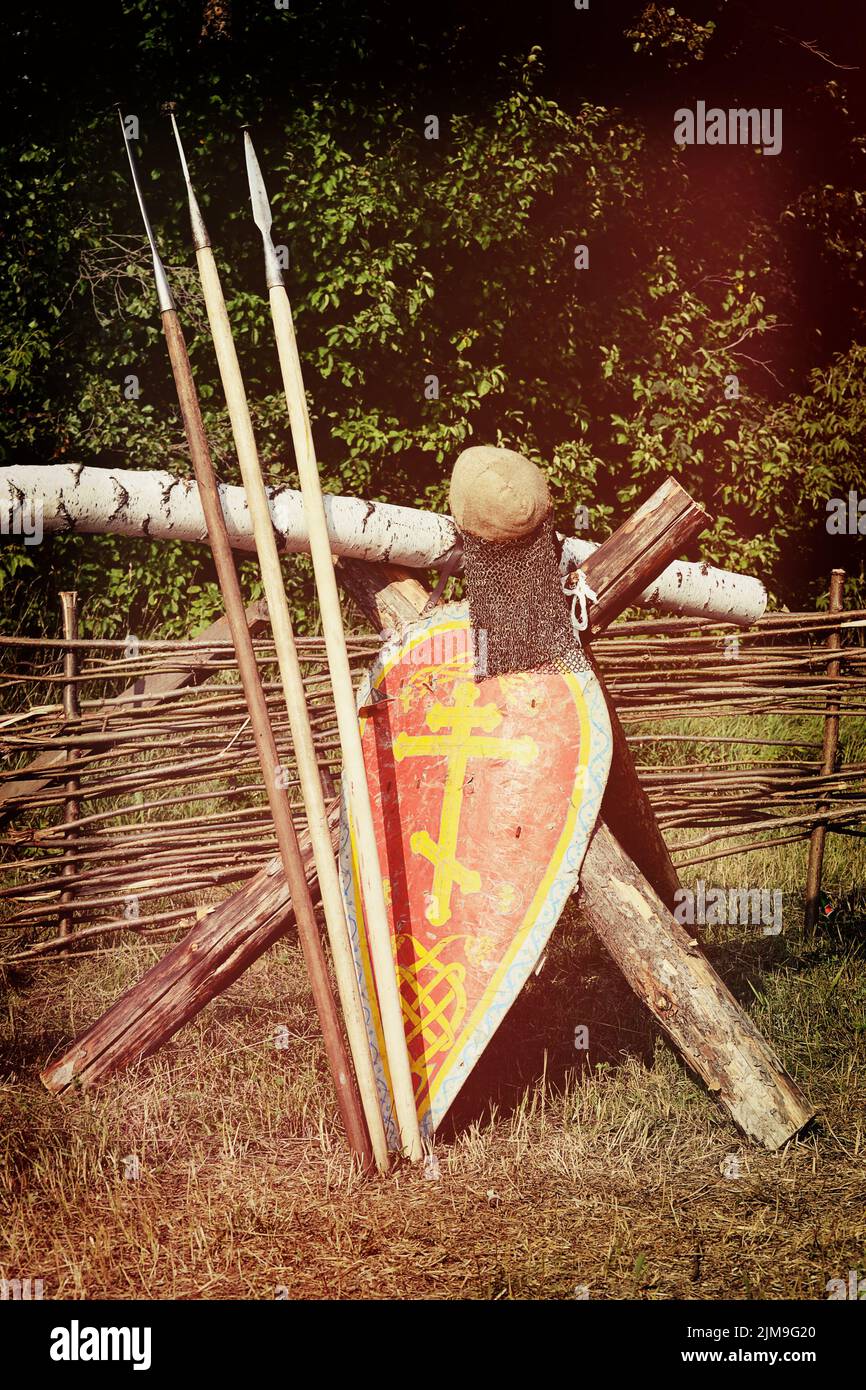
{"type": "Point", "coordinates": [458, 747]}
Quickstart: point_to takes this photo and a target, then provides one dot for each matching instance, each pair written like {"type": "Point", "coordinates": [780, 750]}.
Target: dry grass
{"type": "Point", "coordinates": [602, 1171]}
{"type": "Point", "coordinates": [561, 1170]}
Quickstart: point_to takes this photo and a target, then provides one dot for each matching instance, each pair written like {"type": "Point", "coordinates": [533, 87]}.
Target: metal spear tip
{"type": "Point", "coordinates": [258, 192]}
{"type": "Point", "coordinates": [164, 295]}
{"type": "Point", "coordinates": [183, 163]}
{"type": "Point", "coordinates": [200, 236]}
{"type": "Point", "coordinates": [262, 214]}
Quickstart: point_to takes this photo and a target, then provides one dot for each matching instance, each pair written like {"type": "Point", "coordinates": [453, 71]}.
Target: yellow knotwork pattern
{"type": "Point", "coordinates": [434, 1001]}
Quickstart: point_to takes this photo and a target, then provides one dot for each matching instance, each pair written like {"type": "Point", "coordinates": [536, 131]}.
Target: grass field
{"type": "Point", "coordinates": [216, 1170]}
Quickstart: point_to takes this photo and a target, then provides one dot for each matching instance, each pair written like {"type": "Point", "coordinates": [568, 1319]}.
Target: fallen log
{"type": "Point", "coordinates": [128, 502]}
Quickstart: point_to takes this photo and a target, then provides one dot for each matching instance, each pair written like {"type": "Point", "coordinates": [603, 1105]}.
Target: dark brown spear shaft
{"type": "Point", "coordinates": [287, 840]}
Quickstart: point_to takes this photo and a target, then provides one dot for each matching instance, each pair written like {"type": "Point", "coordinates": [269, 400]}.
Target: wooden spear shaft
{"type": "Point", "coordinates": [266, 747]}
{"type": "Point", "coordinates": [290, 671]}
{"type": "Point", "coordinates": [357, 790]}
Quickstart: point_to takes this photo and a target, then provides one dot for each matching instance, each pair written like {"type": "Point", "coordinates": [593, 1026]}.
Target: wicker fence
{"type": "Point", "coordinates": [143, 808]}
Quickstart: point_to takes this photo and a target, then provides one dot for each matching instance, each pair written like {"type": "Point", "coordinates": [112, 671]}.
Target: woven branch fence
{"type": "Point", "coordinates": [169, 815]}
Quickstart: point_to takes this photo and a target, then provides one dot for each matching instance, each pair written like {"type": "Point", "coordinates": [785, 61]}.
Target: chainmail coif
{"type": "Point", "coordinates": [517, 606]}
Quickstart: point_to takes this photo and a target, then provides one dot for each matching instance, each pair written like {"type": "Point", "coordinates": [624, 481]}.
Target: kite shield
{"type": "Point", "coordinates": [485, 793]}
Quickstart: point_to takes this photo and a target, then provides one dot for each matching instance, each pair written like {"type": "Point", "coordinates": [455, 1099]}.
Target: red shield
{"type": "Point", "coordinates": [484, 794]}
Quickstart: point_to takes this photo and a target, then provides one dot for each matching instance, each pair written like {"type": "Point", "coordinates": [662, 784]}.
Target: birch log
{"type": "Point", "coordinates": [131, 502]}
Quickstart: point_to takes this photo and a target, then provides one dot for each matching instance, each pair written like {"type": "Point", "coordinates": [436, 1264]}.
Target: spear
{"type": "Point", "coordinates": [289, 666]}
{"type": "Point", "coordinates": [357, 790]}
{"type": "Point", "coordinates": [266, 747]}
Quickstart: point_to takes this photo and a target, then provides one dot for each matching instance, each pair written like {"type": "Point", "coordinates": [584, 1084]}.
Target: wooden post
{"type": "Point", "coordinates": [667, 970]}
{"type": "Point", "coordinates": [71, 710]}
{"type": "Point", "coordinates": [818, 837]}
{"type": "Point", "coordinates": [618, 571]}
{"type": "Point", "coordinates": [627, 809]}
{"type": "Point", "coordinates": [641, 549]}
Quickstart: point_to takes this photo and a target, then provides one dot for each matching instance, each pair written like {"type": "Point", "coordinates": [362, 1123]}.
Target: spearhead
{"type": "Point", "coordinates": [166, 302]}
{"type": "Point", "coordinates": [200, 237]}
{"type": "Point", "coordinates": [262, 213]}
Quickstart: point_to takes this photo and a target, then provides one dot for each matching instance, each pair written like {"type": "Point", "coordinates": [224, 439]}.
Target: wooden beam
{"type": "Point", "coordinates": [119, 501]}
{"type": "Point", "coordinates": [667, 970]}
{"type": "Point", "coordinates": [208, 959]}
{"type": "Point", "coordinates": [71, 711]}
{"type": "Point", "coordinates": [641, 549]}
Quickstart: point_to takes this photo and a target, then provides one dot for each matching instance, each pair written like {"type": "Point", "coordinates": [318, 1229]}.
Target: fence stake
{"type": "Point", "coordinates": [71, 710]}
{"type": "Point", "coordinates": [831, 742]}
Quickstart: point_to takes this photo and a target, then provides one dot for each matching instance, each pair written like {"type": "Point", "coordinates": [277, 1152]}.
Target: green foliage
{"type": "Point", "coordinates": [454, 259]}
{"type": "Point", "coordinates": [678, 39]}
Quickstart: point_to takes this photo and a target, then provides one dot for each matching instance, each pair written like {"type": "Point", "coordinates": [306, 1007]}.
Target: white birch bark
{"type": "Point", "coordinates": [692, 590]}
{"type": "Point", "coordinates": [132, 502]}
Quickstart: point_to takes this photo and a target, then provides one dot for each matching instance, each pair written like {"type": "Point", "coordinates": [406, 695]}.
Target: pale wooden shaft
{"type": "Point", "coordinates": [296, 706]}
{"type": "Point", "coordinates": [358, 793]}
